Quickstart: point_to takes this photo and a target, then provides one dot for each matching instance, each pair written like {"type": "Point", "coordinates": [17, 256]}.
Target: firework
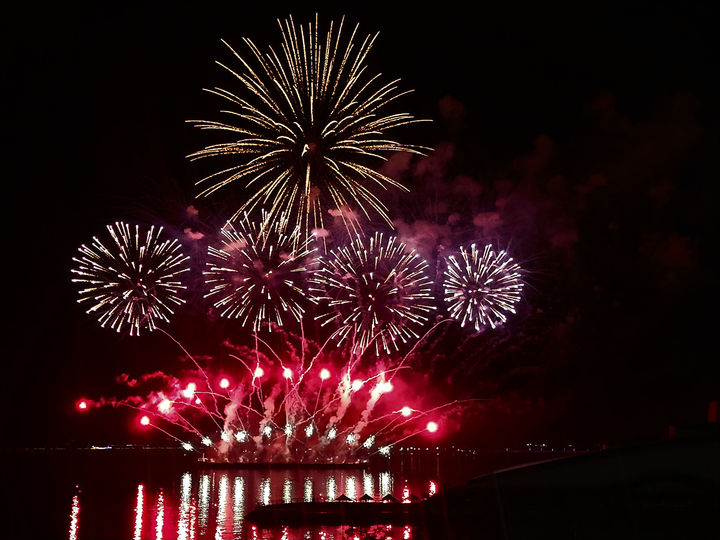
{"type": "Point", "coordinates": [378, 292]}
{"type": "Point", "coordinates": [131, 280]}
{"type": "Point", "coordinates": [483, 287]}
{"type": "Point", "coordinates": [307, 126]}
{"type": "Point", "coordinates": [257, 274]}
{"type": "Point", "coordinates": [273, 419]}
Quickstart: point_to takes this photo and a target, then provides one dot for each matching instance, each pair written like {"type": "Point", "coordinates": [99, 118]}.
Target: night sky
{"type": "Point", "coordinates": [583, 140]}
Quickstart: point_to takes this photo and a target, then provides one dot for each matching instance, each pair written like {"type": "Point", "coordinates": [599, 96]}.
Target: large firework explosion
{"type": "Point", "coordinates": [306, 128]}
{"type": "Point", "coordinates": [133, 280]}
{"type": "Point", "coordinates": [482, 288]}
{"type": "Point", "coordinates": [378, 292]}
{"type": "Point", "coordinates": [311, 121]}
{"type": "Point", "coordinates": [257, 275]}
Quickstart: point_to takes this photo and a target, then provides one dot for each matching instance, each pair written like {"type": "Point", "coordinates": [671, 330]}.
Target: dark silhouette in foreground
{"type": "Point", "coordinates": [666, 490]}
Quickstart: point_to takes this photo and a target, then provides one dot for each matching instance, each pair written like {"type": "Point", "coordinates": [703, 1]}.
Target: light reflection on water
{"type": "Point", "coordinates": [225, 496]}
{"type": "Point", "coordinates": [74, 514]}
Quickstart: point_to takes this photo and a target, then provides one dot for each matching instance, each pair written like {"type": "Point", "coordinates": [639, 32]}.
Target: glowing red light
{"type": "Point", "coordinates": [224, 382]}
{"type": "Point", "coordinates": [81, 405]}
{"type": "Point", "coordinates": [406, 411]}
{"type": "Point", "coordinates": [145, 421]}
{"type": "Point", "coordinates": [259, 372]}
{"type": "Point", "coordinates": [165, 405]}
{"type": "Point", "coordinates": [189, 392]}
{"type": "Point", "coordinates": [324, 374]}
{"type": "Point", "coordinates": [432, 427]}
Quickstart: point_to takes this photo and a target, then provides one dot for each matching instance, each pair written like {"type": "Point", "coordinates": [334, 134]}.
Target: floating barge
{"type": "Point", "coordinates": [337, 513]}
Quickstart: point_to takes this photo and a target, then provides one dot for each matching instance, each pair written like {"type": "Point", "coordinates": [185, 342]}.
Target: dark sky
{"type": "Point", "coordinates": [588, 137]}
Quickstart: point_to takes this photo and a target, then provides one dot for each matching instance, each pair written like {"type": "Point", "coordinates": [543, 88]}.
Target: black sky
{"type": "Point", "coordinates": [95, 103]}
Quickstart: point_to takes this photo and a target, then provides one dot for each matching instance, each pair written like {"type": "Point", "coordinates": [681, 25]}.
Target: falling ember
{"type": "Point", "coordinates": [81, 405]}
{"type": "Point", "coordinates": [287, 373]}
{"type": "Point", "coordinates": [145, 421]}
{"type": "Point", "coordinates": [377, 292]}
{"type": "Point", "coordinates": [357, 384]}
{"type": "Point", "coordinates": [206, 441]}
{"type": "Point", "coordinates": [259, 372]}
{"type": "Point", "coordinates": [482, 288]}
{"type": "Point", "coordinates": [432, 488]}
{"type": "Point", "coordinates": [131, 279]}
{"type": "Point", "coordinates": [324, 374]}
{"type": "Point", "coordinates": [307, 129]}
{"type": "Point", "coordinates": [187, 446]}
{"type": "Point", "coordinates": [309, 430]}
{"type": "Point", "coordinates": [406, 411]}
{"type": "Point", "coordinates": [384, 450]}
{"type": "Point", "coordinates": [241, 436]}
{"type": "Point", "coordinates": [432, 427]}
{"type": "Point", "coordinates": [224, 383]}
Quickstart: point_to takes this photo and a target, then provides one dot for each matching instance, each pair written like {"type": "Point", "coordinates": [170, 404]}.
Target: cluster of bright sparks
{"type": "Point", "coordinates": [306, 126]}
{"type": "Point", "coordinates": [378, 292]}
{"type": "Point", "coordinates": [131, 279]}
{"type": "Point", "coordinates": [279, 413]}
{"type": "Point", "coordinates": [257, 275]}
{"type": "Point", "coordinates": [482, 287]}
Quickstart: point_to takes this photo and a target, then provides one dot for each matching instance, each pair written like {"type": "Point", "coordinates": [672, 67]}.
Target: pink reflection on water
{"type": "Point", "coordinates": [74, 512]}
{"type": "Point", "coordinates": [160, 517]}
{"type": "Point", "coordinates": [138, 512]}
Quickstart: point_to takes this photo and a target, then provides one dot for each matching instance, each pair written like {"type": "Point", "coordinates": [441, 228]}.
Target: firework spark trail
{"type": "Point", "coordinates": [482, 288]}
{"type": "Point", "coordinates": [199, 368]}
{"type": "Point", "coordinates": [257, 274]}
{"type": "Point", "coordinates": [309, 130]}
{"type": "Point", "coordinates": [133, 280]}
{"type": "Point", "coordinates": [377, 291]}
